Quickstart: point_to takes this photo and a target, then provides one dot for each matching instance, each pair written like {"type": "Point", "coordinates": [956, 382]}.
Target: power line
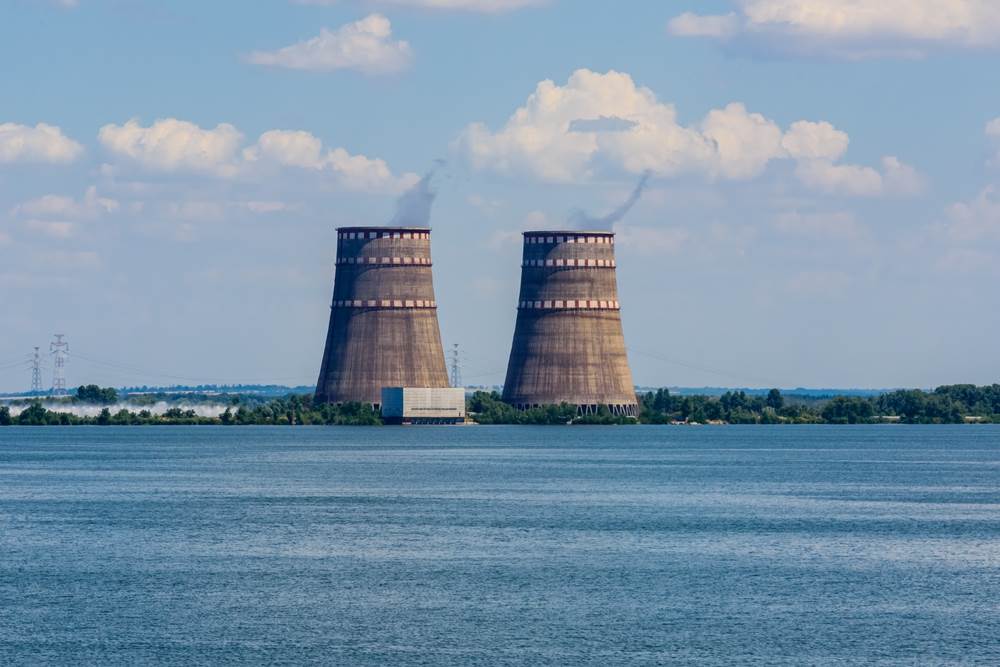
{"type": "Point", "coordinates": [705, 369]}
{"type": "Point", "coordinates": [16, 364]}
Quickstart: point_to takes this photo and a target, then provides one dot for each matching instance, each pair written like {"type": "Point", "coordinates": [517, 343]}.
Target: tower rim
{"type": "Point", "coordinates": [383, 228]}
{"type": "Point", "coordinates": [569, 232]}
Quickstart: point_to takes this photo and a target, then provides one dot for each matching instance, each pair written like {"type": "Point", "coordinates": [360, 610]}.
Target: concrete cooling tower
{"type": "Point", "coordinates": [568, 343]}
{"type": "Point", "coordinates": [383, 324]}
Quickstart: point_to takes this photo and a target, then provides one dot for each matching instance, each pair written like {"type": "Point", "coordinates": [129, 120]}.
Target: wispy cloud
{"type": "Point", "coordinates": [850, 29]}
{"type": "Point", "coordinates": [482, 6]}
{"type": "Point", "coordinates": [366, 46]}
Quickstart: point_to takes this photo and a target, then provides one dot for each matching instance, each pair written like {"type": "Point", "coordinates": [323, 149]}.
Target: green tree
{"type": "Point", "coordinates": [848, 410]}
{"type": "Point", "coordinates": [5, 418]}
{"type": "Point", "coordinates": [123, 418]}
{"type": "Point", "coordinates": [769, 416]}
{"type": "Point", "coordinates": [33, 415]}
{"type": "Point", "coordinates": [775, 400]}
{"type": "Point", "coordinates": [95, 395]}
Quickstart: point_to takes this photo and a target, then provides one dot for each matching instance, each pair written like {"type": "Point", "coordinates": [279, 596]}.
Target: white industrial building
{"type": "Point", "coordinates": [419, 405]}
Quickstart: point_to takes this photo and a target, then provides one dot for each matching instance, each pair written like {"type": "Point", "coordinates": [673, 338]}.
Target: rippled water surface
{"type": "Point", "coordinates": [500, 545]}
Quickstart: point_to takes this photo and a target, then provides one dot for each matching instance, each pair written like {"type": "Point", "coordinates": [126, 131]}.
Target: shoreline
{"type": "Point", "coordinates": [92, 405]}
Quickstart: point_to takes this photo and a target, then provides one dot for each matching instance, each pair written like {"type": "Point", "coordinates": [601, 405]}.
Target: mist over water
{"type": "Point", "coordinates": [580, 219]}
{"type": "Point", "coordinates": [158, 408]}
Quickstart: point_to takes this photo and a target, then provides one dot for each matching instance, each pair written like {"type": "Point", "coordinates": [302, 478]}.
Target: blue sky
{"type": "Point", "coordinates": [823, 209]}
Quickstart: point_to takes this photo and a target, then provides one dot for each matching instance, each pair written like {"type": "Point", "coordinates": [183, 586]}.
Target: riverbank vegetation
{"type": "Point", "coordinates": [954, 404]}
{"type": "Point", "coordinates": [237, 411]}
{"type": "Point", "coordinates": [92, 405]}
{"type": "Point", "coordinates": [487, 408]}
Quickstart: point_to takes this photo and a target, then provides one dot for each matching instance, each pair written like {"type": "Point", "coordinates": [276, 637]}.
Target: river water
{"type": "Point", "coordinates": [500, 545]}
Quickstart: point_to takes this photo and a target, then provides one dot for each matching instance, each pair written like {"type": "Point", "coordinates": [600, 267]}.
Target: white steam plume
{"type": "Point", "coordinates": [413, 208]}
{"type": "Point", "coordinates": [579, 219]}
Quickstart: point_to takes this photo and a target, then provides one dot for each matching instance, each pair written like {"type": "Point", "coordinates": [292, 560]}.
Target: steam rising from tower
{"type": "Point", "coordinates": [581, 220]}
{"type": "Point", "coordinates": [383, 325]}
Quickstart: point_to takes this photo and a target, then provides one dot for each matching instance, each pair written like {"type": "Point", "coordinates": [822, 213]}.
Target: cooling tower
{"type": "Point", "coordinates": [383, 322]}
{"type": "Point", "coordinates": [568, 343]}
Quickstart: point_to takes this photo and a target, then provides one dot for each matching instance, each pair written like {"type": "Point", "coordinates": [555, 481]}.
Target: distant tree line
{"type": "Point", "coordinates": [289, 411]}
{"type": "Point", "coordinates": [487, 408]}
{"type": "Point", "coordinates": [299, 409]}
{"type": "Point", "coordinates": [94, 395]}
{"type": "Point", "coordinates": [952, 404]}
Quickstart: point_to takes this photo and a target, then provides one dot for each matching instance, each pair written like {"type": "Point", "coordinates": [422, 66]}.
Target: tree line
{"type": "Point", "coordinates": [952, 404]}
{"type": "Point", "coordinates": [288, 411]}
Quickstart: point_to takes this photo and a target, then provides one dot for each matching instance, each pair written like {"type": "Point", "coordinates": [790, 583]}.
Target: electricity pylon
{"type": "Point", "coordinates": [59, 349]}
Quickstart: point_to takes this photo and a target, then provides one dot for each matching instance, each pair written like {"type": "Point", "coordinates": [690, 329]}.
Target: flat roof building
{"type": "Point", "coordinates": [421, 405]}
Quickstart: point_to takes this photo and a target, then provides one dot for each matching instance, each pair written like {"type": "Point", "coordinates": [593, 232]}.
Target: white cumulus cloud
{"type": "Point", "coordinates": [287, 147]}
{"type": "Point", "coordinates": [295, 148]}
{"type": "Point", "coordinates": [364, 45]}
{"type": "Point", "coordinates": [815, 141]}
{"type": "Point", "coordinates": [852, 28]}
{"type": "Point", "coordinates": [840, 178]}
{"type": "Point", "coordinates": [554, 137]}
{"type": "Point", "coordinates": [173, 145]}
{"type": "Point", "coordinates": [895, 178]}
{"type": "Point", "coordinates": [744, 142]}
{"type": "Point", "coordinates": [41, 143]}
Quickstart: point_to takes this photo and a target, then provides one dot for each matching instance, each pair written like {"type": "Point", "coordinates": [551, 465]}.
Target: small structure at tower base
{"type": "Point", "coordinates": [420, 405]}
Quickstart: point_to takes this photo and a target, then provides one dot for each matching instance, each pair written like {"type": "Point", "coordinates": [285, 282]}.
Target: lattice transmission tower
{"type": "Point", "coordinates": [455, 359]}
{"type": "Point", "coordinates": [36, 372]}
{"type": "Point", "coordinates": [59, 349]}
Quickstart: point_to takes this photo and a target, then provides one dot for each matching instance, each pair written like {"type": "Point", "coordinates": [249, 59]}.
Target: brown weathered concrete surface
{"type": "Point", "coordinates": [568, 344]}
{"type": "Point", "coordinates": [383, 325]}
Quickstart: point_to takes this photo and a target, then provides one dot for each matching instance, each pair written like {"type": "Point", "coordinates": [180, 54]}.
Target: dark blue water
{"type": "Point", "coordinates": [495, 545]}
